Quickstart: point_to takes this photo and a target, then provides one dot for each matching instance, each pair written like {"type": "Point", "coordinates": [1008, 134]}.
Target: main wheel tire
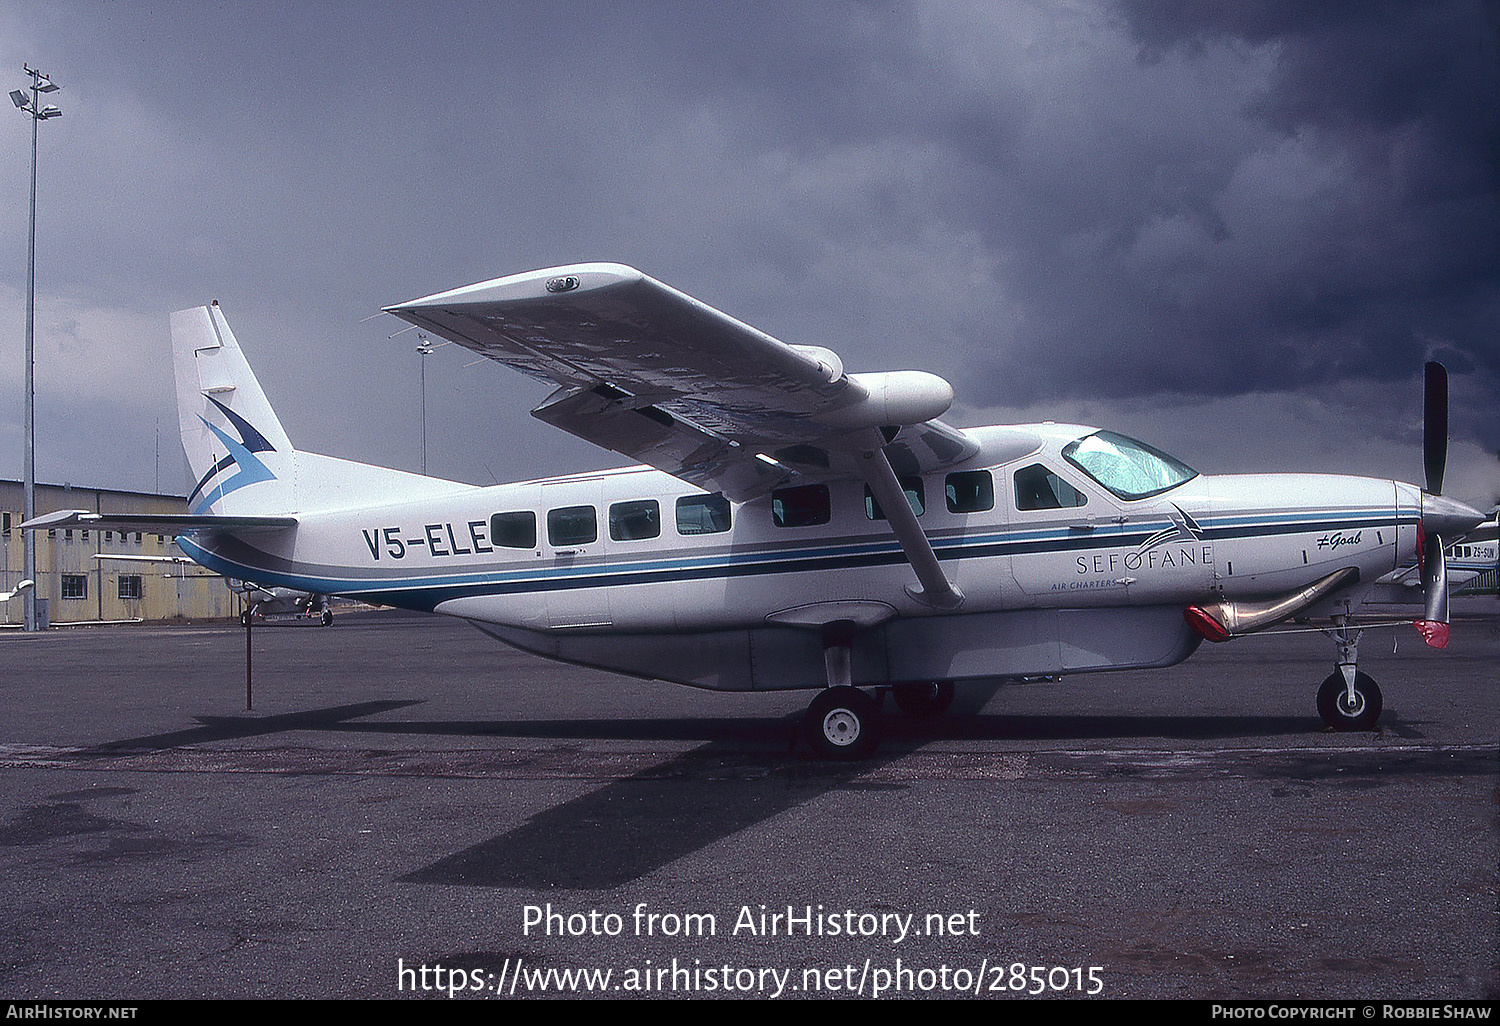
{"type": "Point", "coordinates": [327, 618]}
{"type": "Point", "coordinates": [923, 699]}
{"type": "Point", "coordinates": [1337, 710]}
{"type": "Point", "coordinates": [843, 723]}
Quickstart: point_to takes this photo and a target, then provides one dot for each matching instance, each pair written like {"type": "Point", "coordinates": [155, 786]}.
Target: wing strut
{"type": "Point", "coordinates": [937, 591]}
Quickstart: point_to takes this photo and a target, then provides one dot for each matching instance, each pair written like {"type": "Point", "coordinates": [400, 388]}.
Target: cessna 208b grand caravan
{"type": "Point", "coordinates": [794, 525]}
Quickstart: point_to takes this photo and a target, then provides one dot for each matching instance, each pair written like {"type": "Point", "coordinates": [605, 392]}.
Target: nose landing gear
{"type": "Point", "coordinates": [1348, 699]}
{"type": "Point", "coordinates": [1349, 708]}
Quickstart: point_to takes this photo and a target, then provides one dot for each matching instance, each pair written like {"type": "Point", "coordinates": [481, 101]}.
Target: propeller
{"type": "Point", "coordinates": [1435, 424]}
{"type": "Point", "coordinates": [1434, 623]}
{"type": "Point", "coordinates": [1440, 516]}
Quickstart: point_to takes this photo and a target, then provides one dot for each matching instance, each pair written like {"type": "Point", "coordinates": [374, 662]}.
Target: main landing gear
{"type": "Point", "coordinates": [1348, 699]}
{"type": "Point", "coordinates": [844, 722]}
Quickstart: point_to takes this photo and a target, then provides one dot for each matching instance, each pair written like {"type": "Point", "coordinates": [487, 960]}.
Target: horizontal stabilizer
{"type": "Point", "coordinates": [156, 523]}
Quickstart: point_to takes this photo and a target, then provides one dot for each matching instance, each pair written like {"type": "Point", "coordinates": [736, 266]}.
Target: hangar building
{"type": "Point", "coordinates": [78, 586]}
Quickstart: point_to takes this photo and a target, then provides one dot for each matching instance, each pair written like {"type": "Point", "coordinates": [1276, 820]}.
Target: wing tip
{"type": "Point", "coordinates": [536, 284]}
{"type": "Point", "coordinates": [58, 518]}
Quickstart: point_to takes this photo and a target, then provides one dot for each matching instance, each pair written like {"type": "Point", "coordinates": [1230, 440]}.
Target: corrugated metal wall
{"type": "Point", "coordinates": [78, 586]}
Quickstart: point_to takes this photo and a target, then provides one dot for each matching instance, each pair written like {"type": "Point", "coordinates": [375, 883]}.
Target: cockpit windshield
{"type": "Point", "coordinates": [1129, 469]}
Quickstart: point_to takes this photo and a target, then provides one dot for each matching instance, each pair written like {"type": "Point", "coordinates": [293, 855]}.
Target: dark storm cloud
{"type": "Point", "coordinates": [1137, 207]}
{"type": "Point", "coordinates": [1399, 105]}
{"type": "Point", "coordinates": [1190, 199]}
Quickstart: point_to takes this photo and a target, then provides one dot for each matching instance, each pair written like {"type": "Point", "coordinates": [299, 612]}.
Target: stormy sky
{"type": "Point", "coordinates": [1234, 230]}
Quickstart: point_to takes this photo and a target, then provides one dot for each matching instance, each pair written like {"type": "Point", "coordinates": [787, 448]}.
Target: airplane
{"type": "Point", "coordinates": [1478, 553]}
{"type": "Point", "coordinates": [260, 601]}
{"type": "Point", "coordinates": [263, 602]}
{"type": "Point", "coordinates": [6, 596]}
{"type": "Point", "coordinates": [794, 525]}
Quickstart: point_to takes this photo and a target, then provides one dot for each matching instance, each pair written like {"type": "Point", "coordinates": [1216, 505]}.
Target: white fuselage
{"type": "Point", "coordinates": [1056, 572]}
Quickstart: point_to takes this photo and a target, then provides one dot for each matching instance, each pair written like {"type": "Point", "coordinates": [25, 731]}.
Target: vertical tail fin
{"type": "Point", "coordinates": [242, 462]}
{"type": "Point", "coordinates": [231, 435]}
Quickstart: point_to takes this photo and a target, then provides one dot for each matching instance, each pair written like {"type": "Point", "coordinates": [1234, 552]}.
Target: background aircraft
{"type": "Point", "coordinates": [6, 596]}
{"type": "Point", "coordinates": [260, 601]}
{"type": "Point", "coordinates": [1473, 560]}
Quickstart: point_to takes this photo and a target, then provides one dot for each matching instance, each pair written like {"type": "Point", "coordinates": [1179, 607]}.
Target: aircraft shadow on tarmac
{"type": "Point", "coordinates": [228, 728]}
{"type": "Point", "coordinates": [767, 735]}
{"type": "Point", "coordinates": [745, 773]}
{"type": "Point", "coordinates": [632, 827]}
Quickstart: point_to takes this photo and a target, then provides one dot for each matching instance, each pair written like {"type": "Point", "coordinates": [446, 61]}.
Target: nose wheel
{"type": "Point", "coordinates": [1348, 699]}
{"type": "Point", "coordinates": [1349, 708]}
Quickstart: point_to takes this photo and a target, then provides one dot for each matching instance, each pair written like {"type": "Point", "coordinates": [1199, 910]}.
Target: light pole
{"type": "Point", "coordinates": [32, 107]}
{"type": "Point", "coordinates": [424, 348]}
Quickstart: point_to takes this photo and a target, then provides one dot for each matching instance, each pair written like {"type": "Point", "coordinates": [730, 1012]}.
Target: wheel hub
{"type": "Point", "coordinates": [841, 727]}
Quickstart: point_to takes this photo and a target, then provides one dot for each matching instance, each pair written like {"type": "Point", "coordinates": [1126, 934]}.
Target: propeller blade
{"type": "Point", "coordinates": [1435, 424]}
{"type": "Point", "coordinates": [1434, 623]}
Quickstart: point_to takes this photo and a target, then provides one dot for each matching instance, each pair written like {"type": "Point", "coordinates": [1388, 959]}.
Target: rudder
{"type": "Point", "coordinates": [242, 461]}
{"type": "Point", "coordinates": [230, 433]}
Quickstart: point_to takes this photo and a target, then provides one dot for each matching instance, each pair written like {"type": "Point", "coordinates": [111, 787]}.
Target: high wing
{"type": "Point", "coordinates": [648, 371]}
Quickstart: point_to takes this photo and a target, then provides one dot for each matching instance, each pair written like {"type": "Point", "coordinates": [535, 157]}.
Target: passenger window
{"type": "Point", "coordinates": [916, 497]}
{"type": "Point", "coordinates": [572, 525]}
{"type": "Point", "coordinates": [970, 491]}
{"type": "Point", "coordinates": [702, 514]}
{"type": "Point", "coordinates": [635, 521]}
{"type": "Point", "coordinates": [514, 530]}
{"type": "Point", "coordinates": [800, 507]}
{"type": "Point", "coordinates": [1039, 488]}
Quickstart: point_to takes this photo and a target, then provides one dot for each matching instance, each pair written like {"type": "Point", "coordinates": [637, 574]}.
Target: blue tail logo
{"type": "Point", "coordinates": [241, 455]}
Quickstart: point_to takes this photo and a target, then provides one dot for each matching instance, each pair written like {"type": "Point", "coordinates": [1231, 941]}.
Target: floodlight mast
{"type": "Point", "coordinates": [40, 83]}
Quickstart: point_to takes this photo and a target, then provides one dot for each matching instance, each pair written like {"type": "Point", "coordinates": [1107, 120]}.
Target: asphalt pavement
{"type": "Point", "coordinates": [411, 809]}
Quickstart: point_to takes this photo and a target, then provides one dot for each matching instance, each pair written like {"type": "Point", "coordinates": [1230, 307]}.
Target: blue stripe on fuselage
{"type": "Point", "coordinates": [426, 591]}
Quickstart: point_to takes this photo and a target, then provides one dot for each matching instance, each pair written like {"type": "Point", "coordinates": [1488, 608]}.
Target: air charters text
{"type": "Point", "coordinates": [749, 921]}
{"type": "Point", "coordinates": [437, 539]}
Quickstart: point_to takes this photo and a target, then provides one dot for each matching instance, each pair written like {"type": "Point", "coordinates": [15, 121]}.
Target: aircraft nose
{"type": "Point", "coordinates": [1448, 517]}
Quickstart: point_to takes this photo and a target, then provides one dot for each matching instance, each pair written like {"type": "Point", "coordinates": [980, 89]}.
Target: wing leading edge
{"type": "Point", "coordinates": [648, 371]}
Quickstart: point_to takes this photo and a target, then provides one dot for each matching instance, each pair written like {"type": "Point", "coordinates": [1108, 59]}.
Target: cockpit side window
{"type": "Point", "coordinates": [1128, 468]}
{"type": "Point", "coordinates": [1040, 488]}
